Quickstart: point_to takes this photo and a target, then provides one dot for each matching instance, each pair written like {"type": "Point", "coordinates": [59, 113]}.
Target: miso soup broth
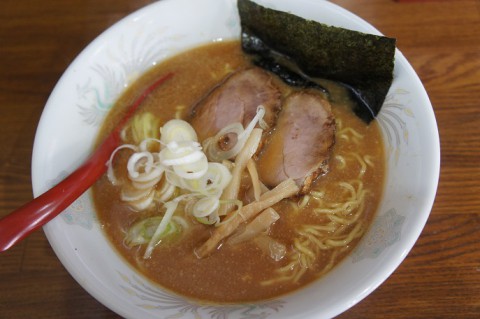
{"type": "Point", "coordinates": [315, 231]}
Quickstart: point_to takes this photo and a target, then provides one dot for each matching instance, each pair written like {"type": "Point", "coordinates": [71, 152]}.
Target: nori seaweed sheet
{"type": "Point", "coordinates": [362, 62]}
{"type": "Point", "coordinates": [288, 76]}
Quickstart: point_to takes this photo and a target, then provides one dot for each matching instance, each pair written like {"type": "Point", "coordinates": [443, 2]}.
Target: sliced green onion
{"type": "Point", "coordinates": [144, 126]}
{"type": "Point", "coordinates": [142, 232]}
{"type": "Point", "coordinates": [165, 192]}
{"type": "Point", "coordinates": [142, 167]}
{"type": "Point", "coordinates": [208, 220]}
{"type": "Point", "coordinates": [143, 203]}
{"type": "Point", "coordinates": [205, 206]}
{"type": "Point", "coordinates": [212, 183]}
{"type": "Point", "coordinates": [148, 184]}
{"type": "Point", "coordinates": [161, 229]}
{"type": "Point", "coordinates": [128, 194]}
{"type": "Point", "coordinates": [177, 131]}
{"type": "Point", "coordinates": [186, 166]}
{"type": "Point", "coordinates": [212, 145]}
{"type": "Point", "coordinates": [179, 153]}
{"type": "Point", "coordinates": [110, 172]}
{"type": "Point", "coordinates": [192, 170]}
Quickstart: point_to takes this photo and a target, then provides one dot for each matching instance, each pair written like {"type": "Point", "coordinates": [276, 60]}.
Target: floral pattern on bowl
{"type": "Point", "coordinates": [151, 298]}
{"type": "Point", "coordinates": [385, 231]}
{"type": "Point", "coordinates": [129, 59]}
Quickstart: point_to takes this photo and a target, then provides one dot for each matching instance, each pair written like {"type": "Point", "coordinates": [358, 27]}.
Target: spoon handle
{"type": "Point", "coordinates": [26, 219]}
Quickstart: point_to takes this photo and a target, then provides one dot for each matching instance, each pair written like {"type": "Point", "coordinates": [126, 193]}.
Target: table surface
{"type": "Point", "coordinates": [440, 278]}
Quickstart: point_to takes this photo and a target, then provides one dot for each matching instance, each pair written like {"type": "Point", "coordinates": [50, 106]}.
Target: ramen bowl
{"type": "Point", "coordinates": [95, 80]}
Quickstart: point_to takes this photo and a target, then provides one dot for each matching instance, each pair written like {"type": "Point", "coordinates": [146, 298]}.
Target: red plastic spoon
{"type": "Point", "coordinates": [28, 218]}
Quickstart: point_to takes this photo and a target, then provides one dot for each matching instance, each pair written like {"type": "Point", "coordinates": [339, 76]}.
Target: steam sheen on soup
{"type": "Point", "coordinates": [310, 232]}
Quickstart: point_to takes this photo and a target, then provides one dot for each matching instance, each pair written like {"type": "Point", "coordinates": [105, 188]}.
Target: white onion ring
{"type": "Point", "coordinates": [110, 172]}
{"type": "Point", "coordinates": [205, 206]}
{"type": "Point", "coordinates": [192, 170]}
{"type": "Point", "coordinates": [143, 203]}
{"type": "Point", "coordinates": [134, 194]}
{"type": "Point", "coordinates": [213, 151]}
{"type": "Point", "coordinates": [152, 169]}
{"type": "Point", "coordinates": [176, 131]}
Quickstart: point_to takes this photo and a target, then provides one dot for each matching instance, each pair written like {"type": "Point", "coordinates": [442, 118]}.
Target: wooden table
{"type": "Point", "coordinates": [440, 278]}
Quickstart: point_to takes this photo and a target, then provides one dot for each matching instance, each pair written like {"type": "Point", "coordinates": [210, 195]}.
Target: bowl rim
{"type": "Point", "coordinates": [407, 245]}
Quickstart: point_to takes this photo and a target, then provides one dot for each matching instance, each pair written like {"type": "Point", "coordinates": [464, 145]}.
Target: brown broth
{"type": "Point", "coordinates": [235, 273]}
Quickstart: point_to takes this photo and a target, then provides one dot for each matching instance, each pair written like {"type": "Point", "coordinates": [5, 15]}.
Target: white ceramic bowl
{"type": "Point", "coordinates": [117, 57]}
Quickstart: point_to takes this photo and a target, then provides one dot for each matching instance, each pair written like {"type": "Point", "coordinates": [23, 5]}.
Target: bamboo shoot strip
{"type": "Point", "coordinates": [283, 190]}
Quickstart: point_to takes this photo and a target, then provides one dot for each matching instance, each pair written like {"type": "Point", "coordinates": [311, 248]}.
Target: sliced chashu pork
{"type": "Point", "coordinates": [236, 100]}
{"type": "Point", "coordinates": [300, 145]}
